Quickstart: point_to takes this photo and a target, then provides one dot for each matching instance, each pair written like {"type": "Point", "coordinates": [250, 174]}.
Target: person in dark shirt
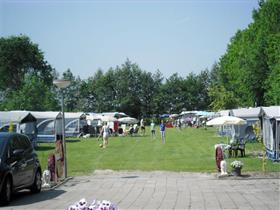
{"type": "Point", "coordinates": [162, 131]}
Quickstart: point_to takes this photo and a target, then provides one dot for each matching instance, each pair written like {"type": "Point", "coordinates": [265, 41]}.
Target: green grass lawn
{"type": "Point", "coordinates": [188, 149]}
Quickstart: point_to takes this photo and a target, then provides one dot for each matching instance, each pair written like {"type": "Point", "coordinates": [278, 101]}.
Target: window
{"type": "Point", "coordinates": [24, 142]}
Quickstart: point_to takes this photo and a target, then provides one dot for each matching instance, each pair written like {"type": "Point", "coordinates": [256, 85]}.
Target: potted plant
{"type": "Point", "coordinates": [236, 167]}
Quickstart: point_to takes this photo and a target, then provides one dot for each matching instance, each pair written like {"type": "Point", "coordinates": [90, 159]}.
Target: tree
{"type": "Point", "coordinates": [72, 95]}
{"type": "Point", "coordinates": [18, 56]}
{"type": "Point", "coordinates": [24, 75]}
{"type": "Point", "coordinates": [34, 95]}
{"type": "Point", "coordinates": [128, 87]}
{"type": "Point", "coordinates": [223, 99]}
{"type": "Point", "coordinates": [248, 71]}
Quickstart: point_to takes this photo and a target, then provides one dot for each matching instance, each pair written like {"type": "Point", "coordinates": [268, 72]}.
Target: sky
{"type": "Point", "coordinates": [170, 36]}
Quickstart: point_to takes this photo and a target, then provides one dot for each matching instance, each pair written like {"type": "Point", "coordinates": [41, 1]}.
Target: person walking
{"type": "Point", "coordinates": [142, 126]}
{"type": "Point", "coordinates": [153, 130]}
{"type": "Point", "coordinates": [179, 124]}
{"type": "Point", "coordinates": [105, 131]}
{"type": "Point", "coordinates": [162, 131]}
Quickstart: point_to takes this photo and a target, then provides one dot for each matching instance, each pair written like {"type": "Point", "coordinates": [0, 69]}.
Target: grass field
{"type": "Point", "coordinates": [188, 149]}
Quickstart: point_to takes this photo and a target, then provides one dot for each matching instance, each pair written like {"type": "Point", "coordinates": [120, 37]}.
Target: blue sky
{"type": "Point", "coordinates": [172, 36]}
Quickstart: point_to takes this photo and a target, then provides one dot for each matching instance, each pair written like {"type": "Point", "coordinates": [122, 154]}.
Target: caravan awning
{"type": "Point", "coordinates": [246, 112]}
{"type": "Point", "coordinates": [17, 117]}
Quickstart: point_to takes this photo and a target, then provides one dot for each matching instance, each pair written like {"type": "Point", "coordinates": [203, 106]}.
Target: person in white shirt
{"type": "Point", "coordinates": [153, 130]}
{"type": "Point", "coordinates": [105, 132]}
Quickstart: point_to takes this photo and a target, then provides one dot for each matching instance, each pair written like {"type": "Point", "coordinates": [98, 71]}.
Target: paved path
{"type": "Point", "coordinates": [159, 190]}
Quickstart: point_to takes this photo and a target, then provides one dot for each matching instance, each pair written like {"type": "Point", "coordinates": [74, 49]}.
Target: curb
{"type": "Point", "coordinates": [58, 184]}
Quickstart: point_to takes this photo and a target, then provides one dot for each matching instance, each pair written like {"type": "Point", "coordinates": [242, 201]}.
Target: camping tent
{"type": "Point", "coordinates": [49, 124]}
{"type": "Point", "coordinates": [251, 115]}
{"type": "Point", "coordinates": [225, 130]}
{"type": "Point", "coordinates": [270, 117]}
{"type": "Point", "coordinates": [22, 121]}
{"type": "Point", "coordinates": [74, 123]}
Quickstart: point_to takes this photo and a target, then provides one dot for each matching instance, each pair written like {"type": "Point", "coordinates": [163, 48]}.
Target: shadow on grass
{"type": "Point", "coordinates": [44, 148]}
{"type": "Point", "coordinates": [72, 140]}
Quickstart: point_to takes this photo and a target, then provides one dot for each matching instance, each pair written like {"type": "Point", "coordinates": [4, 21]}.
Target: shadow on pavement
{"type": "Point", "coordinates": [129, 177]}
{"type": "Point", "coordinates": [26, 197]}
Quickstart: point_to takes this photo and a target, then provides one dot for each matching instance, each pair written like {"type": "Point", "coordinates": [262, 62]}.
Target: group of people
{"type": "Point", "coordinates": [105, 131]}
{"type": "Point", "coordinates": [153, 130]}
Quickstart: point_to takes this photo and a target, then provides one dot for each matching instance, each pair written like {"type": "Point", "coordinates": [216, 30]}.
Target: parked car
{"type": "Point", "coordinates": [19, 166]}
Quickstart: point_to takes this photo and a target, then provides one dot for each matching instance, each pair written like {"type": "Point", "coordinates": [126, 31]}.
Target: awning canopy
{"type": "Point", "coordinates": [246, 112]}
{"type": "Point", "coordinates": [17, 117]}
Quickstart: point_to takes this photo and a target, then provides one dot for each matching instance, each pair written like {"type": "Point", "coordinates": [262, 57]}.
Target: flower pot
{"type": "Point", "coordinates": [236, 171]}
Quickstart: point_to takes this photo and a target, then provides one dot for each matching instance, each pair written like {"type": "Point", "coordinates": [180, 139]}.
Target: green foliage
{"type": "Point", "coordinates": [248, 73]}
{"type": "Point", "coordinates": [126, 89]}
{"type": "Point", "coordinates": [25, 77]}
{"type": "Point", "coordinates": [171, 96]}
{"type": "Point", "coordinates": [272, 95]}
{"type": "Point", "coordinates": [34, 95]}
{"type": "Point", "coordinates": [222, 98]}
{"type": "Point", "coordinates": [19, 56]}
{"type": "Point", "coordinates": [72, 97]}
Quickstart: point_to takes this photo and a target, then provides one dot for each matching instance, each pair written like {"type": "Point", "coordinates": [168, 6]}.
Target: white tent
{"type": "Point", "coordinates": [251, 115]}
{"type": "Point", "coordinates": [270, 117]}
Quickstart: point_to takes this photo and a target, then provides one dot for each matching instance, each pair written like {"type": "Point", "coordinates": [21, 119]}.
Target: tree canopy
{"type": "Point", "coordinates": [249, 73]}
{"type": "Point", "coordinates": [25, 77]}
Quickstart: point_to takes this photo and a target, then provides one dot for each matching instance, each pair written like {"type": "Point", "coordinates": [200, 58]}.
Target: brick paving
{"type": "Point", "coordinates": [159, 190]}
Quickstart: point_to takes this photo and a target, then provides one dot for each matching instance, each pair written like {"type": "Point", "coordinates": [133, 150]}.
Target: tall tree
{"type": "Point", "coordinates": [72, 93]}
{"type": "Point", "coordinates": [23, 70]}
{"type": "Point", "coordinates": [18, 56]}
{"type": "Point", "coordinates": [248, 73]}
{"type": "Point", "coordinates": [34, 95]}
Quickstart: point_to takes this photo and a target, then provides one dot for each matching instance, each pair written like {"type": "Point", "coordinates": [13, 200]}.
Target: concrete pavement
{"type": "Point", "coordinates": [160, 190]}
